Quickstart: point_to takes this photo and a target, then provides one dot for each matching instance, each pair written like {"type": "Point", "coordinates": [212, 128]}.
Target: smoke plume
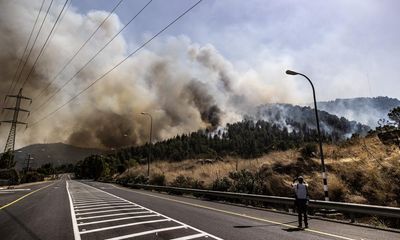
{"type": "Point", "coordinates": [183, 85]}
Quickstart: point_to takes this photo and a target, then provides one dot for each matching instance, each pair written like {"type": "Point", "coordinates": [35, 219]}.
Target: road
{"type": "Point", "coordinates": [68, 209]}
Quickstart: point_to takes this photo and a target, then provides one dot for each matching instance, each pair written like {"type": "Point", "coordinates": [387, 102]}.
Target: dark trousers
{"type": "Point", "coordinates": [301, 205]}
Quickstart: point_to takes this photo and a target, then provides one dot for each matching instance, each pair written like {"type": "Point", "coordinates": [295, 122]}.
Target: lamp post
{"type": "Point", "coordinates": [151, 130]}
{"type": "Point", "coordinates": [289, 72]}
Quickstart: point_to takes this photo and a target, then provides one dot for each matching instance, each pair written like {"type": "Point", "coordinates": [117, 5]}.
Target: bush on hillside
{"type": "Point", "coordinates": [158, 179]}
{"type": "Point", "coordinates": [221, 184]}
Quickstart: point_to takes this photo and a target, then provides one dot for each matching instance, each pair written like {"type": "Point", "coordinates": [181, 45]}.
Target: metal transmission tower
{"type": "Point", "coordinates": [10, 144]}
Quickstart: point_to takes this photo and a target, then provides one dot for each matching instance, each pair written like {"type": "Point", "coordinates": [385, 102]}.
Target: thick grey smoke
{"type": "Point", "coordinates": [184, 86]}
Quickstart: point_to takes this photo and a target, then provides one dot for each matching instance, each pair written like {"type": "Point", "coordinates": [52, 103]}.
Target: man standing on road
{"type": "Point", "coordinates": [301, 199]}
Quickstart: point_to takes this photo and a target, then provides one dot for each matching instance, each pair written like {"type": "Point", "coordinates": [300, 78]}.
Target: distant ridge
{"type": "Point", "coordinates": [364, 109]}
{"type": "Point", "coordinates": [56, 153]}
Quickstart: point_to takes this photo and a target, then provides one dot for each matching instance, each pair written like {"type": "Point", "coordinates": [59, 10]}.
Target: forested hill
{"type": "Point", "coordinates": [293, 116]}
{"type": "Point", "coordinates": [363, 110]}
{"type": "Point", "coordinates": [287, 127]}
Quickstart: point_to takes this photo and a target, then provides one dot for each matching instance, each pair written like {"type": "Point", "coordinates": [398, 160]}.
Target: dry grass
{"type": "Point", "coordinates": [358, 170]}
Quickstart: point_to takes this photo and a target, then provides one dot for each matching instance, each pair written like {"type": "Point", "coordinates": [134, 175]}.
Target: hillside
{"type": "Point", "coordinates": [56, 153]}
{"type": "Point", "coordinates": [361, 170]}
{"type": "Point", "coordinates": [291, 116]}
{"type": "Point", "coordinates": [364, 110]}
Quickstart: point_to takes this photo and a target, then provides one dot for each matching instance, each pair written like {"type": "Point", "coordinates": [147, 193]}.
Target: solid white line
{"type": "Point", "coordinates": [15, 190]}
{"type": "Point", "coordinates": [112, 215]}
{"type": "Point", "coordinates": [73, 218]}
{"type": "Point", "coordinates": [99, 202]}
{"type": "Point", "coordinates": [114, 210]}
{"type": "Point", "coordinates": [106, 207]}
{"type": "Point", "coordinates": [117, 219]}
{"type": "Point", "coordinates": [123, 225]}
{"type": "Point", "coordinates": [102, 205]}
{"type": "Point", "coordinates": [185, 225]}
{"type": "Point", "coordinates": [145, 233]}
{"type": "Point", "coordinates": [99, 199]}
{"type": "Point", "coordinates": [191, 236]}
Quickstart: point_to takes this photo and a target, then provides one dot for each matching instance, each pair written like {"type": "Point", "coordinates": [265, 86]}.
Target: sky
{"type": "Point", "coordinates": [211, 67]}
{"type": "Point", "coordinates": [349, 48]}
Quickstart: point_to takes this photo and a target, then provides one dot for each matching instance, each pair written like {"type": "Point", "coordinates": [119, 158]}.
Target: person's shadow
{"type": "Point", "coordinates": [293, 229]}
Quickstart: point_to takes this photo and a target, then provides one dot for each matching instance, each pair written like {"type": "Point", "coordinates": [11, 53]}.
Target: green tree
{"type": "Point", "coordinates": [394, 115]}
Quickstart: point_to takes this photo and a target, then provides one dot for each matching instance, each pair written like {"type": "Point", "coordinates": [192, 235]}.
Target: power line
{"type": "Point", "coordinates": [33, 45]}
{"type": "Point", "coordinates": [61, 18]}
{"type": "Point", "coordinates": [88, 62]}
{"type": "Point", "coordinates": [45, 43]}
{"type": "Point", "coordinates": [26, 48]}
{"type": "Point", "coordinates": [77, 52]}
{"type": "Point", "coordinates": [122, 61]}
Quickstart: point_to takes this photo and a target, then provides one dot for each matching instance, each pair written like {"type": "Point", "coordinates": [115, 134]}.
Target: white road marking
{"type": "Point", "coordinates": [99, 208]}
{"type": "Point", "coordinates": [124, 225]}
{"type": "Point", "coordinates": [95, 203]}
{"type": "Point", "coordinates": [118, 219]}
{"type": "Point", "coordinates": [14, 190]}
{"type": "Point", "coordinates": [73, 218]}
{"type": "Point", "coordinates": [88, 200]}
{"type": "Point", "coordinates": [190, 237]}
{"type": "Point", "coordinates": [100, 205]}
{"type": "Point", "coordinates": [146, 233]}
{"type": "Point", "coordinates": [112, 215]}
{"type": "Point", "coordinates": [106, 211]}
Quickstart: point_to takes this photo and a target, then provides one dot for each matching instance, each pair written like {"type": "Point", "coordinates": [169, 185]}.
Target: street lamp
{"type": "Point", "coordinates": [151, 130]}
{"type": "Point", "coordinates": [290, 72]}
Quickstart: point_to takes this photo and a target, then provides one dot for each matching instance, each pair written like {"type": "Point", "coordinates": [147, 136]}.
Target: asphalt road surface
{"type": "Point", "coordinates": [68, 209]}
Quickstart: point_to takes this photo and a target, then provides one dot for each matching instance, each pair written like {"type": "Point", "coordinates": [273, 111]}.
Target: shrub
{"type": "Point", "coordinates": [243, 181]}
{"type": "Point", "coordinates": [187, 182]}
{"type": "Point", "coordinates": [308, 151]}
{"type": "Point", "coordinates": [11, 175]}
{"type": "Point", "coordinates": [221, 184]}
{"type": "Point", "coordinates": [32, 177]}
{"type": "Point", "coordinates": [158, 179]}
{"type": "Point", "coordinates": [140, 179]}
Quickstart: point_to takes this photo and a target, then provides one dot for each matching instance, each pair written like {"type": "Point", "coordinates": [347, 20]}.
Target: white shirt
{"type": "Point", "coordinates": [301, 190]}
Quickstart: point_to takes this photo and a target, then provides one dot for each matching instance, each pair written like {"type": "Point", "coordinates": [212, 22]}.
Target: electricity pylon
{"type": "Point", "coordinates": [10, 144]}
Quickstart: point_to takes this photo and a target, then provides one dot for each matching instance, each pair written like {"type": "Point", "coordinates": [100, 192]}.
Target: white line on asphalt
{"type": "Point", "coordinates": [105, 211]}
{"type": "Point", "coordinates": [112, 215]}
{"type": "Point", "coordinates": [15, 190]}
{"type": "Point", "coordinates": [98, 208]}
{"type": "Point", "coordinates": [74, 226]}
{"type": "Point", "coordinates": [100, 205]}
{"type": "Point", "coordinates": [146, 233]}
{"type": "Point", "coordinates": [184, 225]}
{"type": "Point", "coordinates": [99, 202]}
{"type": "Point", "coordinates": [123, 225]}
{"type": "Point", "coordinates": [99, 199]}
{"type": "Point", "coordinates": [117, 219]}
{"type": "Point", "coordinates": [191, 236]}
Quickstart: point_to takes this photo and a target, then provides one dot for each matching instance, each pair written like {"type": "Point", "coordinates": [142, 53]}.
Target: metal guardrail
{"type": "Point", "coordinates": [351, 208]}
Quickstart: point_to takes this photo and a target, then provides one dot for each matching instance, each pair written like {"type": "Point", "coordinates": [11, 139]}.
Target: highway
{"type": "Point", "coordinates": [69, 209]}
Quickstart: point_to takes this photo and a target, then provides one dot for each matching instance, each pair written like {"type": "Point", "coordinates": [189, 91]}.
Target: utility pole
{"type": "Point", "coordinates": [28, 162]}
{"type": "Point", "coordinates": [10, 144]}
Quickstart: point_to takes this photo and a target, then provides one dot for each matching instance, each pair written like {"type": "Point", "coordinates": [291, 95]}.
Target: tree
{"type": "Point", "coordinates": [7, 160]}
{"type": "Point", "coordinates": [394, 115]}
